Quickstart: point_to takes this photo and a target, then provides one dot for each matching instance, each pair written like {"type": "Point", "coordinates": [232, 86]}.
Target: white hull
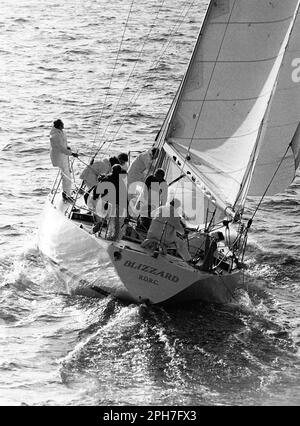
{"type": "Point", "coordinates": [78, 258]}
{"type": "Point", "coordinates": [86, 264]}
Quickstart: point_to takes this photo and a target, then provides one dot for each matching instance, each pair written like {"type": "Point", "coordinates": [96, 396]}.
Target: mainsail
{"type": "Point", "coordinates": [237, 110]}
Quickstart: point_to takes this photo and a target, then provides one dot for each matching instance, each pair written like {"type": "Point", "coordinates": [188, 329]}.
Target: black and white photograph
{"type": "Point", "coordinates": [150, 206]}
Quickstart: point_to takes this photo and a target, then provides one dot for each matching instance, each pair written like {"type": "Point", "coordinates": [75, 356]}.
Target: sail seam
{"type": "Point", "coordinates": [228, 100]}
{"type": "Point", "coordinates": [275, 162]}
{"type": "Point", "coordinates": [278, 126]}
{"type": "Point", "coordinates": [175, 140]}
{"type": "Point", "coordinates": [215, 138]}
{"type": "Point", "coordinates": [284, 89]}
{"type": "Point", "coordinates": [242, 61]}
{"type": "Point", "coordinates": [252, 22]}
{"type": "Point", "coordinates": [245, 61]}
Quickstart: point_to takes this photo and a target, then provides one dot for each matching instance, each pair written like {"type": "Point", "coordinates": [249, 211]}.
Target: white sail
{"type": "Point", "coordinates": [282, 126]}
{"type": "Point", "coordinates": [197, 209]}
{"type": "Point", "coordinates": [218, 124]}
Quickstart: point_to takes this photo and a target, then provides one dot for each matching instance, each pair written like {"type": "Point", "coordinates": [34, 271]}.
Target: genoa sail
{"type": "Point", "coordinates": [282, 125]}
{"type": "Point", "coordinates": [226, 117]}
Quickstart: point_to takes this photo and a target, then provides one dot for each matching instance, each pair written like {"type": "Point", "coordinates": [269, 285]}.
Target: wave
{"type": "Point", "coordinates": [37, 192]}
{"type": "Point", "coordinates": [282, 202]}
{"type": "Point", "coordinates": [21, 20]}
{"type": "Point", "coordinates": [79, 51]}
{"type": "Point", "coordinates": [51, 69]}
{"type": "Point", "coordinates": [10, 366]}
{"type": "Point", "coordinates": [195, 351]}
{"type": "Point", "coordinates": [106, 352]}
{"type": "Point", "coordinates": [189, 355]}
{"type": "Point", "coordinates": [34, 150]}
{"type": "Point", "coordinates": [10, 231]}
{"type": "Point", "coordinates": [279, 258]}
{"type": "Point", "coordinates": [6, 227]}
{"type": "Point", "coordinates": [11, 146]}
{"type": "Point", "coordinates": [25, 289]}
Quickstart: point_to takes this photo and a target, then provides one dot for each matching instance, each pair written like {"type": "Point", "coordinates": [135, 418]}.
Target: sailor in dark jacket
{"type": "Point", "coordinates": [112, 191]}
{"type": "Point", "coordinates": [154, 195]}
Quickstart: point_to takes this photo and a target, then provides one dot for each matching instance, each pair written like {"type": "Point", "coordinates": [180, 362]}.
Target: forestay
{"type": "Point", "coordinates": [238, 101]}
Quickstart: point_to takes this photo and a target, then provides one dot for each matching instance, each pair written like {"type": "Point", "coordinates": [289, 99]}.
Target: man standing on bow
{"type": "Point", "coordinates": [59, 154]}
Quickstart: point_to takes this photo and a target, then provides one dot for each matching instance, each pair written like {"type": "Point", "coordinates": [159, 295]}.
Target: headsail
{"type": "Point", "coordinates": [233, 85]}
{"type": "Point", "coordinates": [282, 125]}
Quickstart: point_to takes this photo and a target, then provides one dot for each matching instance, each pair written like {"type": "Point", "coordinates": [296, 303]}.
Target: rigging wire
{"type": "Point", "coordinates": [152, 67]}
{"type": "Point", "coordinates": [130, 75]}
{"type": "Point", "coordinates": [112, 74]}
{"type": "Point", "coordinates": [245, 184]}
{"type": "Point", "coordinates": [154, 64]}
{"type": "Point", "coordinates": [271, 181]}
{"type": "Point", "coordinates": [245, 231]}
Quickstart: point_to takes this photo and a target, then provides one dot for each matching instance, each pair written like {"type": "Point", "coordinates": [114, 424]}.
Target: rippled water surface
{"type": "Point", "coordinates": [59, 59]}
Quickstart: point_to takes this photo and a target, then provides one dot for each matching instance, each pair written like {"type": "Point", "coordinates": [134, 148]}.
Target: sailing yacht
{"type": "Point", "coordinates": [232, 130]}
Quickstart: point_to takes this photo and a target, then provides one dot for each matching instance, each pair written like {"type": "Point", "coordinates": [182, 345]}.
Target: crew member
{"type": "Point", "coordinates": [154, 195]}
{"type": "Point", "coordinates": [92, 172]}
{"type": "Point", "coordinates": [112, 200]}
{"type": "Point", "coordinates": [167, 227]}
{"type": "Point", "coordinates": [138, 170]}
{"type": "Point", "coordinates": [59, 154]}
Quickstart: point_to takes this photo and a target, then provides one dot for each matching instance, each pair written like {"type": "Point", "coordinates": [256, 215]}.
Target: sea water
{"type": "Point", "coordinates": [75, 60]}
